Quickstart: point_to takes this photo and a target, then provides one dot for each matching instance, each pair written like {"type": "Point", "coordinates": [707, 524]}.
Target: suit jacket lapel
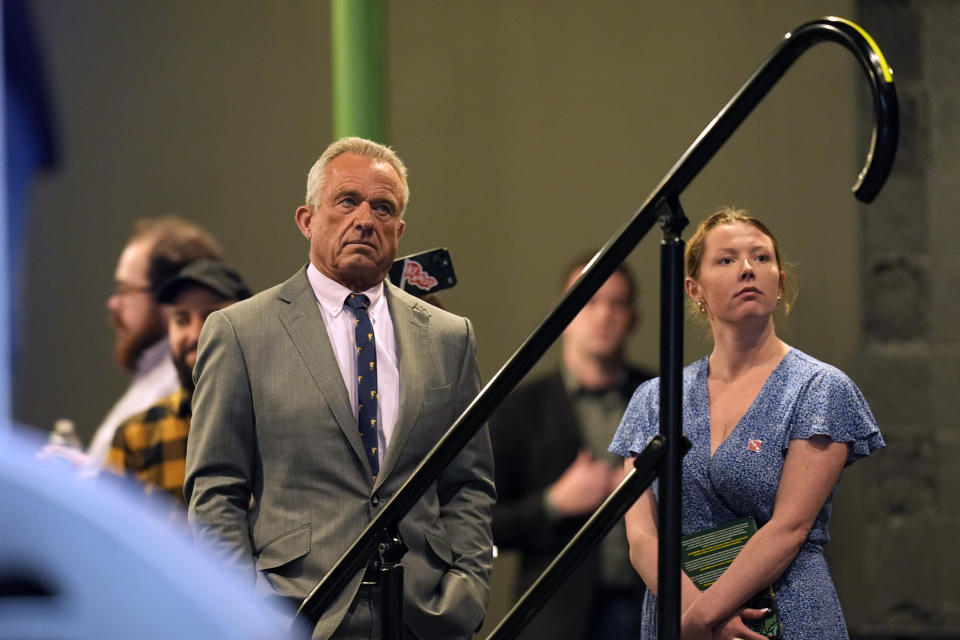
{"type": "Point", "coordinates": [301, 317]}
{"type": "Point", "coordinates": [410, 325]}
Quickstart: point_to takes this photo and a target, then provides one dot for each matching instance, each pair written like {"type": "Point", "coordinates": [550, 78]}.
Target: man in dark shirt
{"type": "Point", "coordinates": [553, 470]}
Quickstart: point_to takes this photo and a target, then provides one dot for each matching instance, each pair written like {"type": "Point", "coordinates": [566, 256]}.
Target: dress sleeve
{"type": "Point", "coordinates": [832, 405]}
{"type": "Point", "coordinates": [640, 421]}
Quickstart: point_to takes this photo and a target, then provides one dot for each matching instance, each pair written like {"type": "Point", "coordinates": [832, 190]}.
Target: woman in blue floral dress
{"type": "Point", "coordinates": [771, 430]}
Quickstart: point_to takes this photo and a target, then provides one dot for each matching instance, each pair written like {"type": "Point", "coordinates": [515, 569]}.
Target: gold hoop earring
{"type": "Point", "coordinates": [778, 301]}
{"type": "Point", "coordinates": [701, 307]}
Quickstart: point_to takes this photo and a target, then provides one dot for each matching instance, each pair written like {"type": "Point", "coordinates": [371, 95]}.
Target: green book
{"type": "Point", "coordinates": [705, 555]}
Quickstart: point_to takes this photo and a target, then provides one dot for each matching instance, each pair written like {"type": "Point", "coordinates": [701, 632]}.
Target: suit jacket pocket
{"type": "Point", "coordinates": [284, 548]}
{"type": "Point", "coordinates": [441, 604]}
{"type": "Point", "coordinates": [438, 395]}
{"type": "Point", "coordinates": [441, 548]}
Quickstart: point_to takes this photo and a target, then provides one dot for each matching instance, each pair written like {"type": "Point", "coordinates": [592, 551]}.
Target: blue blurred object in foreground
{"type": "Point", "coordinates": [85, 559]}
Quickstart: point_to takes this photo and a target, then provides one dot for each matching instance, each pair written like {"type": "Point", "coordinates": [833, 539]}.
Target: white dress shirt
{"type": "Point", "coordinates": [155, 378]}
{"type": "Point", "coordinates": [340, 329]}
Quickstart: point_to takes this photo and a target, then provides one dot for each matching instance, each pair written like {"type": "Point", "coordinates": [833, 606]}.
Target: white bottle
{"type": "Point", "coordinates": [65, 434]}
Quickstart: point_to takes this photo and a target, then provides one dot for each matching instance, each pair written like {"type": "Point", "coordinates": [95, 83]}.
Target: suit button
{"type": "Point", "coordinates": [374, 500]}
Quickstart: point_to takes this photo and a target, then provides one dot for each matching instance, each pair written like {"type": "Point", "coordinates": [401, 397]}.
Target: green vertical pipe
{"type": "Point", "coordinates": [359, 52]}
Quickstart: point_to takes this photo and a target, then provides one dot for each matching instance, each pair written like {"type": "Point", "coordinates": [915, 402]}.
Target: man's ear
{"type": "Point", "coordinates": [400, 227]}
{"type": "Point", "coordinates": [303, 217]}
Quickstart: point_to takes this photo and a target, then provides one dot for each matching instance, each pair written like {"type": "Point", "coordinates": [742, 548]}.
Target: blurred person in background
{"type": "Point", "coordinates": [553, 469]}
{"type": "Point", "coordinates": [152, 446]}
{"type": "Point", "coordinates": [157, 250]}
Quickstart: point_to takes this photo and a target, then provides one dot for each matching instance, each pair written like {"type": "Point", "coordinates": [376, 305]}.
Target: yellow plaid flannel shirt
{"type": "Point", "coordinates": [152, 446]}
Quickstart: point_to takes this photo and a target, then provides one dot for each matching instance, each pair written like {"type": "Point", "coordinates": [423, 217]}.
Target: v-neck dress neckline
{"type": "Point", "coordinates": [706, 398]}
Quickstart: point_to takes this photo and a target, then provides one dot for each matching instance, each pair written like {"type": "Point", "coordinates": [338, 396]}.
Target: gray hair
{"type": "Point", "coordinates": [359, 146]}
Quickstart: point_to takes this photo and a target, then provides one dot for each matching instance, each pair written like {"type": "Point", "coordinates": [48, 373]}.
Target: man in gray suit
{"type": "Point", "coordinates": [280, 476]}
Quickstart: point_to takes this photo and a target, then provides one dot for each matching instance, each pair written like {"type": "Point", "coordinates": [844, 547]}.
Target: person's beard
{"type": "Point", "coordinates": [128, 347]}
{"type": "Point", "coordinates": [185, 373]}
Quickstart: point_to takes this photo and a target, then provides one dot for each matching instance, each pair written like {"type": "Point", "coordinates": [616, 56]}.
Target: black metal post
{"type": "Point", "coordinates": [672, 221]}
{"type": "Point", "coordinates": [391, 585]}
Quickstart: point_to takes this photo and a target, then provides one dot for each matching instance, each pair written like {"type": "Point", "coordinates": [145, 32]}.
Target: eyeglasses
{"type": "Point", "coordinates": [127, 289]}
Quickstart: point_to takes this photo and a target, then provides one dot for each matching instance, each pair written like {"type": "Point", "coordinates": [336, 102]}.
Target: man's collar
{"type": "Point", "coordinates": [153, 355]}
{"type": "Point", "coordinates": [573, 387]}
{"type": "Point", "coordinates": [331, 294]}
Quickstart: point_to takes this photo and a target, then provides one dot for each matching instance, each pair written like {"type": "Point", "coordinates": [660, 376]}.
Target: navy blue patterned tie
{"type": "Point", "coordinates": [366, 378]}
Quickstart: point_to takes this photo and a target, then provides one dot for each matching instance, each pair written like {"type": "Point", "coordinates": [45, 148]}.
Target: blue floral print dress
{"type": "Point", "coordinates": [801, 398]}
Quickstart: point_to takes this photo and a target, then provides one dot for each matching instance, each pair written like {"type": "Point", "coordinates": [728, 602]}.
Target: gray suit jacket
{"type": "Point", "coordinates": [276, 475]}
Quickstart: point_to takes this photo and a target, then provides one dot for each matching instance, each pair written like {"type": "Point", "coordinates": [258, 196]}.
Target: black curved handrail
{"type": "Point", "coordinates": [662, 205]}
{"type": "Point", "coordinates": [883, 143]}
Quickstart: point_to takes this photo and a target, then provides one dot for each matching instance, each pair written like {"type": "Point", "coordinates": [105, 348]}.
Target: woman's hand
{"type": "Point", "coordinates": [734, 628]}
{"type": "Point", "coordinates": [692, 627]}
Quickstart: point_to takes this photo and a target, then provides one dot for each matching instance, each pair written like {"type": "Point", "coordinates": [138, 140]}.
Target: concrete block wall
{"type": "Point", "coordinates": [909, 356]}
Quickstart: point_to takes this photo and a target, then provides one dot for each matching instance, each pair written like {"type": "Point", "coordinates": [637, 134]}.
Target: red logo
{"type": "Point", "coordinates": [754, 445]}
{"type": "Point", "coordinates": [415, 275]}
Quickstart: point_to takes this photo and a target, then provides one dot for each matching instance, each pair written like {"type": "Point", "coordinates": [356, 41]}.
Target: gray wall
{"type": "Point", "coordinates": [533, 130]}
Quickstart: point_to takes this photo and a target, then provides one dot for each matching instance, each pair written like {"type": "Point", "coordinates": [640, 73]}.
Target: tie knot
{"type": "Point", "coordinates": [357, 301]}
